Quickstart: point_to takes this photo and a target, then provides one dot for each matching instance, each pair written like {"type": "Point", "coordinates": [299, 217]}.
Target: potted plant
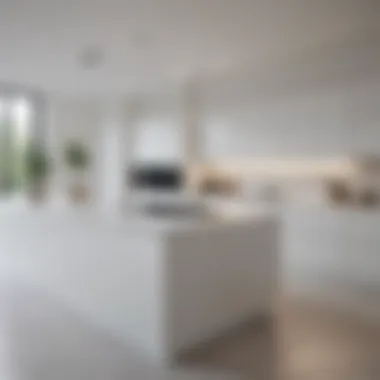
{"type": "Point", "coordinates": [36, 167]}
{"type": "Point", "coordinates": [77, 160]}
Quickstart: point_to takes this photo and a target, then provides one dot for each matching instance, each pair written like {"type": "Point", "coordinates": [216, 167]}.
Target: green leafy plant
{"type": "Point", "coordinates": [76, 156]}
{"type": "Point", "coordinates": [36, 163]}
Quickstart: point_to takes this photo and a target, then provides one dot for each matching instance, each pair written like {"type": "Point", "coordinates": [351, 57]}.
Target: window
{"type": "Point", "coordinates": [19, 127]}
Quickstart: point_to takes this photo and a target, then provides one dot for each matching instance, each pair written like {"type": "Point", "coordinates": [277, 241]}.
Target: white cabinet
{"type": "Point", "coordinates": [334, 254]}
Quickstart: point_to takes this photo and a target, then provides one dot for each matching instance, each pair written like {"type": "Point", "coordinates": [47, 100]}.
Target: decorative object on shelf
{"type": "Point", "coordinates": [368, 198]}
{"type": "Point", "coordinates": [339, 192]}
{"type": "Point", "coordinates": [368, 180]}
{"type": "Point", "coordinates": [36, 168]}
{"type": "Point", "coordinates": [218, 185]}
{"type": "Point", "coordinates": [368, 164]}
{"type": "Point", "coordinates": [77, 159]}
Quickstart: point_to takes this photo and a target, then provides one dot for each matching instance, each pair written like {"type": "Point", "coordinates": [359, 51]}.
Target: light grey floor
{"type": "Point", "coordinates": [41, 340]}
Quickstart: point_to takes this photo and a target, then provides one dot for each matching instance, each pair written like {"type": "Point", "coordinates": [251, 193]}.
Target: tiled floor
{"type": "Point", "coordinates": [40, 340]}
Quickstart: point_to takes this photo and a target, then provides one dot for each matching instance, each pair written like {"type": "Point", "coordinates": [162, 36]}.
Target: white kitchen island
{"type": "Point", "coordinates": [160, 285]}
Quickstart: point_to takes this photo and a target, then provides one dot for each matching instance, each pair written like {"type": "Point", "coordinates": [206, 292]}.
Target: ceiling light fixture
{"type": "Point", "coordinates": [91, 58]}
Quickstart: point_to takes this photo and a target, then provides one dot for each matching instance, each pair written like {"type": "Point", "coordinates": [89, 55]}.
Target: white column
{"type": "Point", "coordinates": [192, 129]}
{"type": "Point", "coordinates": [115, 153]}
{"type": "Point", "coordinates": [52, 139]}
{"type": "Point", "coordinates": [193, 146]}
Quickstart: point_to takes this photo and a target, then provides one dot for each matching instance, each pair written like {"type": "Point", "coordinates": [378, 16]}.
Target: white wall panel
{"type": "Point", "coordinates": [334, 120]}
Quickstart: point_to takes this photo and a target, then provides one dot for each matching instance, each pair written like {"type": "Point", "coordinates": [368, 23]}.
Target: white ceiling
{"type": "Point", "coordinates": [150, 43]}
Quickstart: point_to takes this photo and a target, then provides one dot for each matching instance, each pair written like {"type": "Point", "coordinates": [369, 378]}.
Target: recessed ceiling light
{"type": "Point", "coordinates": [142, 40]}
{"type": "Point", "coordinates": [91, 57]}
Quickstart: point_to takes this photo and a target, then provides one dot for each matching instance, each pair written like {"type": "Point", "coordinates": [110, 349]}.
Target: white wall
{"type": "Point", "coordinates": [332, 120]}
{"type": "Point", "coordinates": [326, 103]}
{"type": "Point", "coordinates": [323, 104]}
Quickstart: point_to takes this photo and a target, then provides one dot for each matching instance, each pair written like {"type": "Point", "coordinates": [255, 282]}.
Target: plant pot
{"type": "Point", "coordinates": [78, 193]}
{"type": "Point", "coordinates": [37, 193]}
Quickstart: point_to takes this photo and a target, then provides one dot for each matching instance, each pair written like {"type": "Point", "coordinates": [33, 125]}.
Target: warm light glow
{"type": "Point", "coordinates": [288, 168]}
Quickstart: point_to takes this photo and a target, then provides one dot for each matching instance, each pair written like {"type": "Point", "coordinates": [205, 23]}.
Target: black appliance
{"type": "Point", "coordinates": [157, 177]}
